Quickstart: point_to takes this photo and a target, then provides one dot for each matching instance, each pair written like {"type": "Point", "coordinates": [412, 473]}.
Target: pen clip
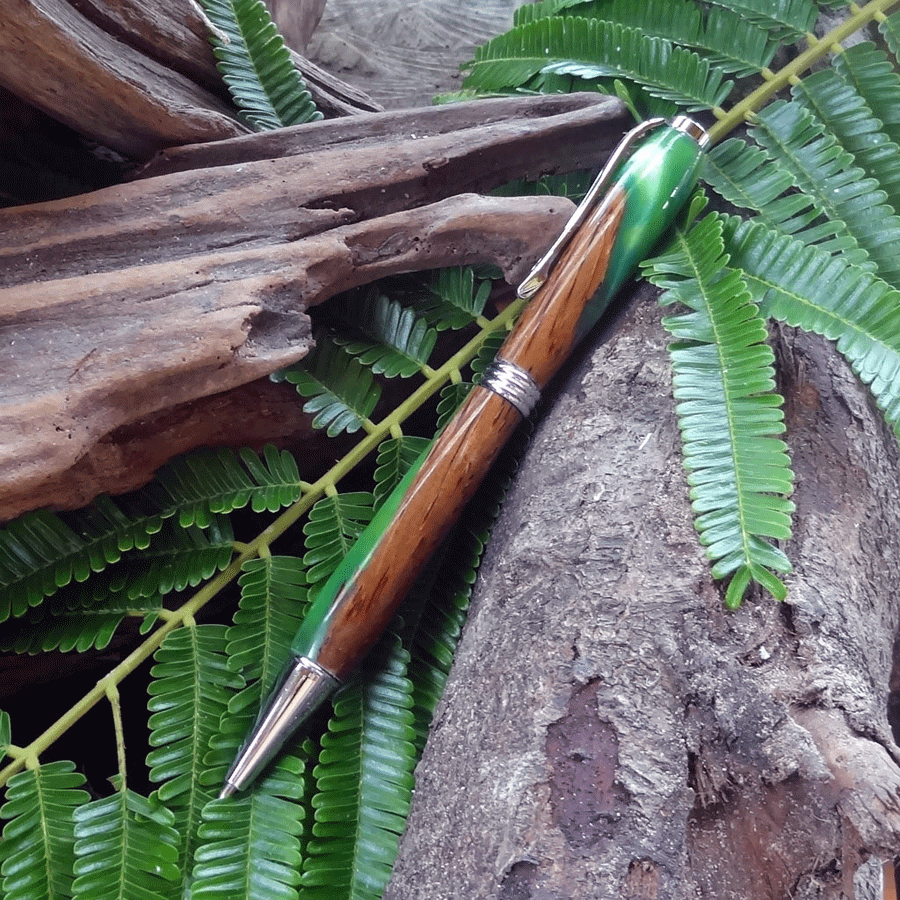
{"type": "Point", "coordinates": [541, 269]}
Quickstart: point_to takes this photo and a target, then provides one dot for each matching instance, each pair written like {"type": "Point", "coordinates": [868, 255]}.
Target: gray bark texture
{"type": "Point", "coordinates": [609, 730]}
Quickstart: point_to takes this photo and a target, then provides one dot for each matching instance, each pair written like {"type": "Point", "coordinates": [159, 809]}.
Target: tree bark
{"type": "Point", "coordinates": [609, 730]}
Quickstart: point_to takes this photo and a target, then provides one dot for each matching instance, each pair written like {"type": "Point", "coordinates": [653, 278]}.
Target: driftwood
{"type": "Point", "coordinates": [132, 300]}
{"type": "Point", "coordinates": [131, 75]}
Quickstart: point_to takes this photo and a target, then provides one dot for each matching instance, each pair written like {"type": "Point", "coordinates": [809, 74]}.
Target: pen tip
{"type": "Point", "coordinates": [227, 790]}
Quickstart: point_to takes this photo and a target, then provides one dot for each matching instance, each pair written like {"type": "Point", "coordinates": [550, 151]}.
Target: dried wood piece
{"type": "Point", "coordinates": [85, 354]}
{"type": "Point", "coordinates": [101, 87]}
{"type": "Point", "coordinates": [132, 76]}
{"type": "Point", "coordinates": [125, 302]}
{"type": "Point", "coordinates": [550, 134]}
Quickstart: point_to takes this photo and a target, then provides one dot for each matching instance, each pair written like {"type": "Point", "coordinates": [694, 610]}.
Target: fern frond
{"type": "Point", "coordinates": [333, 526]}
{"type": "Point", "coordinates": [869, 72]}
{"type": "Point", "coordinates": [250, 845]}
{"type": "Point", "coordinates": [395, 456]}
{"type": "Point", "coordinates": [827, 173]}
{"type": "Point", "coordinates": [597, 50]}
{"type": "Point", "coordinates": [746, 176]}
{"type": "Point", "coordinates": [189, 693]}
{"type": "Point", "coordinates": [37, 848]}
{"type": "Point", "coordinates": [451, 398]}
{"type": "Point", "coordinates": [848, 117]}
{"type": "Point", "coordinates": [80, 632]}
{"type": "Point", "coordinates": [126, 847]}
{"type": "Point", "coordinates": [85, 616]}
{"type": "Point", "coordinates": [783, 19]}
{"type": "Point", "coordinates": [365, 782]}
{"type": "Point", "coordinates": [42, 552]}
{"type": "Point", "coordinates": [256, 65]}
{"type": "Point", "coordinates": [394, 340]}
{"type": "Point", "coordinates": [185, 558]}
{"type": "Point", "coordinates": [453, 299]}
{"type": "Point", "coordinates": [201, 484]}
{"type": "Point", "coordinates": [728, 412]}
{"type": "Point", "coordinates": [817, 292]}
{"type": "Point", "coordinates": [890, 31]}
{"type": "Point", "coordinates": [728, 39]}
{"type": "Point", "coordinates": [342, 392]}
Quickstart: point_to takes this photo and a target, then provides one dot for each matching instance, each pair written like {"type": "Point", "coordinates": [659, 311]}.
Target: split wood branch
{"type": "Point", "coordinates": [119, 305]}
{"type": "Point", "coordinates": [133, 76]}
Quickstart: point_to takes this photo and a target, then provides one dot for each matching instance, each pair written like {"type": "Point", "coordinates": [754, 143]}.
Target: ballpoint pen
{"type": "Point", "coordinates": [633, 201]}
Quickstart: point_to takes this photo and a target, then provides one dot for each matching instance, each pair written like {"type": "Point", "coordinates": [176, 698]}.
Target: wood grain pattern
{"type": "Point", "coordinates": [547, 331]}
{"type": "Point", "coordinates": [449, 477]}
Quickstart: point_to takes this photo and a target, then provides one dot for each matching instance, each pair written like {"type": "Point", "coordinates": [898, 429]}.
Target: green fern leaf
{"type": "Point", "coordinates": [333, 526]}
{"type": "Point", "coordinates": [828, 174]}
{"type": "Point", "coordinates": [256, 65]}
{"type": "Point", "coordinates": [185, 557]}
{"type": "Point", "coordinates": [871, 75]}
{"type": "Point", "coordinates": [747, 177]}
{"type": "Point", "coordinates": [250, 846]}
{"type": "Point", "coordinates": [805, 287]}
{"type": "Point", "coordinates": [198, 485]}
{"type": "Point", "coordinates": [365, 783]}
{"type": "Point", "coordinates": [783, 19]}
{"type": "Point", "coordinates": [847, 116]}
{"type": "Point", "coordinates": [454, 300]}
{"type": "Point", "coordinates": [126, 848]}
{"type": "Point", "coordinates": [723, 384]}
{"type": "Point", "coordinates": [451, 398]}
{"type": "Point", "coordinates": [728, 39]}
{"type": "Point", "coordinates": [37, 848]}
{"type": "Point", "coordinates": [42, 552]}
{"type": "Point", "coordinates": [273, 603]}
{"type": "Point", "coordinates": [81, 632]}
{"type": "Point", "coordinates": [395, 456]}
{"type": "Point", "coordinates": [189, 693]}
{"type": "Point", "coordinates": [342, 392]}
{"type": "Point", "coordinates": [596, 50]}
{"type": "Point", "coordinates": [395, 341]}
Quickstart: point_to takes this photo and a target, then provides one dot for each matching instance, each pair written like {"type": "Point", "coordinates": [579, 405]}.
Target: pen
{"type": "Point", "coordinates": [634, 199]}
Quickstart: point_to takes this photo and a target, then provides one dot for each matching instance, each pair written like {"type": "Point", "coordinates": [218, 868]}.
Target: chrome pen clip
{"type": "Point", "coordinates": [596, 193]}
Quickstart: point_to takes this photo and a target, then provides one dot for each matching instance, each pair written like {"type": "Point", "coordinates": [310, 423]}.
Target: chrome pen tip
{"type": "Point", "coordinates": [227, 790]}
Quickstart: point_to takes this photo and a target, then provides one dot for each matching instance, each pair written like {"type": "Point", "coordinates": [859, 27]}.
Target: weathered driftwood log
{"type": "Point", "coordinates": [131, 75]}
{"type": "Point", "coordinates": [609, 731]}
{"type": "Point", "coordinates": [118, 304]}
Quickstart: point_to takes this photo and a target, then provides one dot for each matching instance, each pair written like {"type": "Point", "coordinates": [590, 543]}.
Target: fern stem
{"type": "Point", "coordinates": [818, 50]}
{"type": "Point", "coordinates": [112, 694]}
{"type": "Point", "coordinates": [260, 545]}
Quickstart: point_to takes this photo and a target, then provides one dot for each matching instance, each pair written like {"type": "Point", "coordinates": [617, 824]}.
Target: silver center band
{"type": "Point", "coordinates": [512, 383]}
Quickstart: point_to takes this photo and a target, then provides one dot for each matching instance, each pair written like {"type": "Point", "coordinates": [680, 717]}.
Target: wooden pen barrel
{"type": "Point", "coordinates": [465, 450]}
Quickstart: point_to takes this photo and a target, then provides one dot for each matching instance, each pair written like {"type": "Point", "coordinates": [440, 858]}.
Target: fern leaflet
{"type": "Point", "coordinates": [189, 693]}
{"type": "Point", "coordinates": [723, 384]}
{"type": "Point", "coordinates": [126, 848]}
{"type": "Point", "coordinates": [333, 526]}
{"type": "Point", "coordinates": [365, 782]}
{"type": "Point", "coordinates": [805, 287]}
{"type": "Point", "coordinates": [256, 65]}
{"type": "Point", "coordinates": [594, 49]}
{"type": "Point", "coordinates": [394, 340]}
{"type": "Point", "coordinates": [342, 392]}
{"type": "Point", "coordinates": [37, 849]}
